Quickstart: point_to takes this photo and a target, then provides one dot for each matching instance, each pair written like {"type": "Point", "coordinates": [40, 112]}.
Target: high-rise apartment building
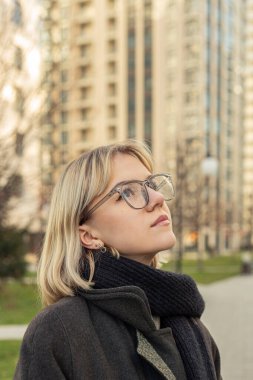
{"type": "Point", "coordinates": [204, 97]}
{"type": "Point", "coordinates": [248, 131]}
{"type": "Point", "coordinates": [164, 71]}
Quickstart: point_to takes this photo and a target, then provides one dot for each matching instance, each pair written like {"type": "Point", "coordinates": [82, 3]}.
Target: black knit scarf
{"type": "Point", "coordinates": [173, 297]}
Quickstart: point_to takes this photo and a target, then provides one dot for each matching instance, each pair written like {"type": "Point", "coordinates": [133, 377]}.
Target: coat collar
{"type": "Point", "coordinates": [128, 303]}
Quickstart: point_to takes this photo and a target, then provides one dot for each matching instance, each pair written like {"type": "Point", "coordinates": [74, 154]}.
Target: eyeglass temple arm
{"type": "Point", "coordinates": [107, 196]}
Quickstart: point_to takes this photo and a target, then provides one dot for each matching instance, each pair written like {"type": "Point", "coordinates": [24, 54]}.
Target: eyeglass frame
{"type": "Point", "coordinates": [118, 189]}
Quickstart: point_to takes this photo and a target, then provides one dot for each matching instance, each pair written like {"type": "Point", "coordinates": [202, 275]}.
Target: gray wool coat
{"type": "Point", "coordinates": [106, 334]}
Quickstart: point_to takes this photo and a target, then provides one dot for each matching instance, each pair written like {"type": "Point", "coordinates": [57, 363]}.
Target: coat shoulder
{"type": "Point", "coordinates": [46, 350]}
{"type": "Point", "coordinates": [53, 319]}
{"type": "Point", "coordinates": [65, 308]}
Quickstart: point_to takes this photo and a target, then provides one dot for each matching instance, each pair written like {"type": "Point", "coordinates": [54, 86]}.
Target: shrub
{"type": "Point", "coordinates": [12, 254]}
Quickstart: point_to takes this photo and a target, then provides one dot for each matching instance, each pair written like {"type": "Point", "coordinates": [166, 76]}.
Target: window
{"type": "Point", "coordinates": [64, 137]}
{"type": "Point", "coordinates": [64, 51]}
{"type": "Point", "coordinates": [83, 92]}
{"type": "Point", "coordinates": [112, 46]}
{"type": "Point", "coordinates": [191, 97]}
{"type": "Point", "coordinates": [111, 24]}
{"type": "Point", "coordinates": [64, 96]}
{"type": "Point", "coordinates": [148, 9]}
{"type": "Point", "coordinates": [64, 117]}
{"type": "Point", "coordinates": [112, 68]}
{"type": "Point", "coordinates": [148, 37]}
{"type": "Point", "coordinates": [64, 157]}
{"type": "Point", "coordinates": [192, 50]}
{"type": "Point", "coordinates": [64, 76]}
{"type": "Point", "coordinates": [84, 71]}
{"type": "Point", "coordinates": [112, 132]}
{"type": "Point", "coordinates": [191, 5]}
{"type": "Point", "coordinates": [19, 144]}
{"type": "Point", "coordinates": [64, 34]}
{"type": "Point", "coordinates": [191, 27]}
{"type": "Point", "coordinates": [112, 111]}
{"type": "Point", "coordinates": [191, 76]}
{"type": "Point", "coordinates": [18, 58]}
{"type": "Point", "coordinates": [112, 89]}
{"type": "Point", "coordinates": [47, 138]}
{"type": "Point", "coordinates": [228, 173]}
{"type": "Point", "coordinates": [85, 114]}
{"type": "Point", "coordinates": [47, 178]}
{"type": "Point", "coordinates": [111, 3]}
{"type": "Point", "coordinates": [84, 134]}
{"type": "Point", "coordinates": [131, 106]}
{"type": "Point", "coordinates": [85, 28]}
{"type": "Point", "coordinates": [84, 5]}
{"type": "Point", "coordinates": [131, 40]}
{"type": "Point", "coordinates": [84, 50]}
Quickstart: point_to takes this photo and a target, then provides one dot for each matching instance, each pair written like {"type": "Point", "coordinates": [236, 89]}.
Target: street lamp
{"type": "Point", "coordinates": [209, 166]}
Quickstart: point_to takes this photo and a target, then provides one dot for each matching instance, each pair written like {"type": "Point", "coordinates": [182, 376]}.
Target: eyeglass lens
{"type": "Point", "coordinates": [163, 185]}
{"type": "Point", "coordinates": [136, 194]}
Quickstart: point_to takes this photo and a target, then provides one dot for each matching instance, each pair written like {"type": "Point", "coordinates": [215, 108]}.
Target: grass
{"type": "Point", "coordinates": [19, 303]}
{"type": "Point", "coordinates": [9, 352]}
{"type": "Point", "coordinates": [209, 270]}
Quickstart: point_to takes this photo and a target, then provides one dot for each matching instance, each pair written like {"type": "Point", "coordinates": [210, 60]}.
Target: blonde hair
{"type": "Point", "coordinates": [59, 271]}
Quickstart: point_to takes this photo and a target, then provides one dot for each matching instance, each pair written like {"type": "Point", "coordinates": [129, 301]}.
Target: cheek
{"type": "Point", "coordinates": [120, 227]}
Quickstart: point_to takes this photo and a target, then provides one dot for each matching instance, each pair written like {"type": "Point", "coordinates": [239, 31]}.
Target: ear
{"type": "Point", "coordinates": [87, 239]}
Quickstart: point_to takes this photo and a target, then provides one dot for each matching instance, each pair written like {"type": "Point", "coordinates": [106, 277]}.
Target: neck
{"type": "Point", "coordinates": [142, 258]}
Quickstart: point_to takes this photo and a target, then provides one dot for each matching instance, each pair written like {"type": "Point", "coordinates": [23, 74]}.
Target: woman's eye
{"type": "Point", "coordinates": [128, 192]}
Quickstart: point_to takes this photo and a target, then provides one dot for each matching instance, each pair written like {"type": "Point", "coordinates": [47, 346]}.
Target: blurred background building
{"type": "Point", "coordinates": [174, 73]}
{"type": "Point", "coordinates": [168, 72]}
{"type": "Point", "coordinates": [247, 233]}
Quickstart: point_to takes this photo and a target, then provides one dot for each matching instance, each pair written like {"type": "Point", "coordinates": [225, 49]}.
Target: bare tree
{"type": "Point", "coordinates": [19, 111]}
{"type": "Point", "coordinates": [187, 208]}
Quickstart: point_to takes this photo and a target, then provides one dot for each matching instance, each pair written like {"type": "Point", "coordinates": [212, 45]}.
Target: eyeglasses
{"type": "Point", "coordinates": [135, 193]}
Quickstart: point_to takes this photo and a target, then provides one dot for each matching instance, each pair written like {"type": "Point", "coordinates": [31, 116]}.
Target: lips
{"type": "Point", "coordinates": [160, 220]}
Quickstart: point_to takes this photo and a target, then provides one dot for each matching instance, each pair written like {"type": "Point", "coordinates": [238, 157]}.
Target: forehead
{"type": "Point", "coordinates": [126, 167]}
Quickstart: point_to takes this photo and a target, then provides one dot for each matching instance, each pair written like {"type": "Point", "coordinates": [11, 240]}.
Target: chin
{"type": "Point", "coordinates": [171, 241]}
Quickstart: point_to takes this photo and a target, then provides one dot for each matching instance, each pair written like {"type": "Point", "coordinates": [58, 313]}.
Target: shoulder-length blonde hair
{"type": "Point", "coordinates": [59, 271]}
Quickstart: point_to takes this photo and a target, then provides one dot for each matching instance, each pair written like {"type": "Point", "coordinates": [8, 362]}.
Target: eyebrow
{"type": "Point", "coordinates": [130, 180]}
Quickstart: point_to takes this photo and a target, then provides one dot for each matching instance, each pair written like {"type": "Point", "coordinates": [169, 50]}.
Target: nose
{"type": "Point", "coordinates": [155, 199]}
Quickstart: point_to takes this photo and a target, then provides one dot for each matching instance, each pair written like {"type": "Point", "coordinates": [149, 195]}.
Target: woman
{"type": "Point", "coordinates": [110, 313]}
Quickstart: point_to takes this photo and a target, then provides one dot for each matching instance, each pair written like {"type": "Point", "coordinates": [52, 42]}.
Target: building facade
{"type": "Point", "coordinates": [248, 129]}
{"type": "Point", "coordinates": [168, 72]}
{"type": "Point", "coordinates": [204, 116]}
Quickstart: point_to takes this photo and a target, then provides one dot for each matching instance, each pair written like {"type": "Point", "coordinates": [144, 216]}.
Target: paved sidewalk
{"type": "Point", "coordinates": [11, 332]}
{"type": "Point", "coordinates": [229, 317]}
